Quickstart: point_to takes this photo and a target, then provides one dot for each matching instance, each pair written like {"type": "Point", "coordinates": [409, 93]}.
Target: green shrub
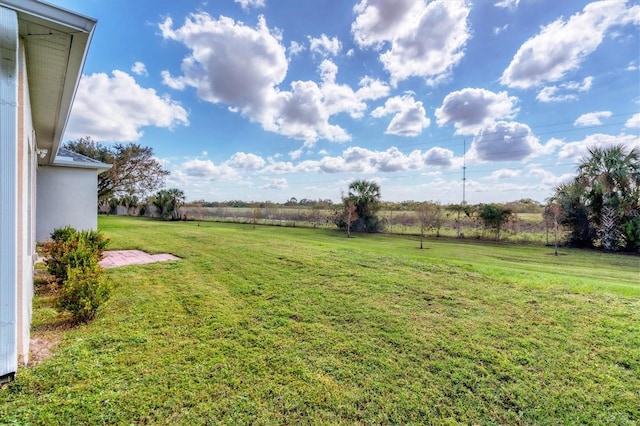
{"type": "Point", "coordinates": [72, 259]}
{"type": "Point", "coordinates": [63, 234]}
{"type": "Point", "coordinates": [84, 290]}
{"type": "Point", "coordinates": [71, 248]}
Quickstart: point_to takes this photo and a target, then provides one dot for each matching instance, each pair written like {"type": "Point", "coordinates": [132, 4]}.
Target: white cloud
{"type": "Point", "coordinates": [338, 98]}
{"type": "Point", "coordinates": [498, 30]}
{"type": "Point", "coordinates": [565, 91]}
{"type": "Point", "coordinates": [561, 46]}
{"type": "Point", "coordinates": [592, 118]}
{"type": "Point", "coordinates": [325, 46]}
{"type": "Point", "coordinates": [117, 109]}
{"type": "Point", "coordinates": [472, 109]}
{"type": "Point", "coordinates": [409, 116]}
{"type": "Point", "coordinates": [362, 160]}
{"type": "Point", "coordinates": [371, 89]}
{"type": "Point", "coordinates": [278, 183]}
{"type": "Point", "coordinates": [426, 40]}
{"type": "Point", "coordinates": [379, 21]}
{"type": "Point", "coordinates": [242, 67]}
{"type": "Point", "coordinates": [437, 156]}
{"type": "Point", "coordinates": [139, 68]}
{"type": "Point", "coordinates": [633, 122]}
{"type": "Point", "coordinates": [504, 174]}
{"type": "Point", "coordinates": [247, 4]}
{"type": "Point", "coordinates": [547, 178]}
{"type": "Point", "coordinates": [366, 161]}
{"type": "Point", "coordinates": [295, 48]}
{"type": "Point", "coordinates": [304, 112]}
{"type": "Point", "coordinates": [230, 63]}
{"type": "Point", "coordinates": [505, 141]}
{"type": "Point", "coordinates": [579, 149]}
{"type": "Point", "coordinates": [509, 4]}
{"type": "Point", "coordinates": [206, 169]}
{"type": "Point", "coordinates": [304, 115]}
{"type": "Point", "coordinates": [246, 161]}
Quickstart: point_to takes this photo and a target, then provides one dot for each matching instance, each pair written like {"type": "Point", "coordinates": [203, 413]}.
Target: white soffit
{"type": "Point", "coordinates": [56, 43]}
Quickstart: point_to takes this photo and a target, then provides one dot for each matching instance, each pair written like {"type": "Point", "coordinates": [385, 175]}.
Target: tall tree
{"type": "Point", "coordinates": [135, 171]}
{"type": "Point", "coordinates": [610, 178]}
{"type": "Point", "coordinates": [366, 197]}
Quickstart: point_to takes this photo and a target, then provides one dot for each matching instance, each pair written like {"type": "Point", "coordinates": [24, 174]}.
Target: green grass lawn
{"type": "Point", "coordinates": [300, 326]}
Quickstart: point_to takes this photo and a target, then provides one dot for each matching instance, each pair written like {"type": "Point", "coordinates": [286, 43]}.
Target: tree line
{"type": "Point", "coordinates": [599, 208]}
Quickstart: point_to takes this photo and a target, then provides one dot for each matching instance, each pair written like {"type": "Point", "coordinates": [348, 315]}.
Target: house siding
{"type": "Point", "coordinates": [25, 219]}
{"type": "Point", "coordinates": [8, 191]}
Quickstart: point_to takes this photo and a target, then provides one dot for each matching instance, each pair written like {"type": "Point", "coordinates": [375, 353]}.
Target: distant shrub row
{"type": "Point", "coordinates": [72, 260]}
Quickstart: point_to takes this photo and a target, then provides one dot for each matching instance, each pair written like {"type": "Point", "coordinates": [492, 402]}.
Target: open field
{"type": "Point", "coordinates": [278, 325]}
{"type": "Point", "coordinates": [523, 227]}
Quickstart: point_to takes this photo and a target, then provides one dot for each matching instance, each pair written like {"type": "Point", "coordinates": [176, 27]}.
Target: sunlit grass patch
{"type": "Point", "coordinates": [278, 325]}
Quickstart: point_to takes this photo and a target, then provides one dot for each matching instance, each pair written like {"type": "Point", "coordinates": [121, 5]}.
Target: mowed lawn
{"type": "Point", "coordinates": [300, 326]}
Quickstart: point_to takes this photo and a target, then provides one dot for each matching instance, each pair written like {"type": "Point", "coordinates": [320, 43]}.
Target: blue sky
{"type": "Point", "coordinates": [273, 99]}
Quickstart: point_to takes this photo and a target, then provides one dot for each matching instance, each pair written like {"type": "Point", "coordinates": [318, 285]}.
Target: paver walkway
{"type": "Point", "coordinates": [115, 258]}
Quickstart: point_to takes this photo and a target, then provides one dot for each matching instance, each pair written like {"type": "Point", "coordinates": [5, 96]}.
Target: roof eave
{"type": "Point", "coordinates": [81, 29]}
{"type": "Point", "coordinates": [51, 13]}
{"type": "Point", "coordinates": [99, 167]}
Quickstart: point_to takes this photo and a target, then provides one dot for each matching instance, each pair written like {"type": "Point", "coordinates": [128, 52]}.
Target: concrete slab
{"type": "Point", "coordinates": [115, 258]}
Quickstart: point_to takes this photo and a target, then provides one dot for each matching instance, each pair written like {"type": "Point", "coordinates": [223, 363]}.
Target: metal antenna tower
{"type": "Point", "coordinates": [464, 173]}
{"type": "Point", "coordinates": [464, 181]}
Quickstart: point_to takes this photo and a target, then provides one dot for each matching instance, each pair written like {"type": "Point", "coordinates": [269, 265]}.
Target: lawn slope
{"type": "Point", "coordinates": [283, 325]}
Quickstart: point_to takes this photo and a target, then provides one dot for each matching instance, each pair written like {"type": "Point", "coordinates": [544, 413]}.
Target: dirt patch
{"type": "Point", "coordinates": [40, 347]}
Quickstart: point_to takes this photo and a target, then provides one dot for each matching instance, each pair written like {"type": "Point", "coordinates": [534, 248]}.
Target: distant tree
{"type": "Point", "coordinates": [112, 205]}
{"type": "Point", "coordinates": [135, 170]}
{"type": "Point", "coordinates": [130, 202]}
{"type": "Point", "coordinates": [92, 149]}
{"type": "Point", "coordinates": [168, 203]}
{"type": "Point", "coordinates": [316, 214]}
{"type": "Point", "coordinates": [430, 217]}
{"type": "Point", "coordinates": [575, 214]}
{"type": "Point", "coordinates": [257, 213]}
{"type": "Point", "coordinates": [291, 202]}
{"type": "Point", "coordinates": [351, 216]}
{"type": "Point", "coordinates": [553, 213]}
{"type": "Point", "coordinates": [494, 217]}
{"type": "Point", "coordinates": [365, 195]}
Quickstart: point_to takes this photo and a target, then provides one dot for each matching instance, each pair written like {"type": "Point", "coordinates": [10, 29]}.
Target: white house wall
{"type": "Point", "coordinates": [26, 217]}
{"type": "Point", "coordinates": [8, 191]}
{"type": "Point", "coordinates": [65, 196]}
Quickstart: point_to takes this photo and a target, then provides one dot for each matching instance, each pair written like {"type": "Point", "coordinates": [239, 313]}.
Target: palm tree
{"type": "Point", "coordinates": [366, 197]}
{"type": "Point", "coordinates": [571, 197]}
{"type": "Point", "coordinates": [611, 179]}
{"type": "Point", "coordinates": [168, 202]}
{"type": "Point", "coordinates": [130, 202]}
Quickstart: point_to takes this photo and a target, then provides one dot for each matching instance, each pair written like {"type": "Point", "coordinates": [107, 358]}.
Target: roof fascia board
{"type": "Point", "coordinates": [52, 13]}
{"type": "Point", "coordinates": [82, 28]}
